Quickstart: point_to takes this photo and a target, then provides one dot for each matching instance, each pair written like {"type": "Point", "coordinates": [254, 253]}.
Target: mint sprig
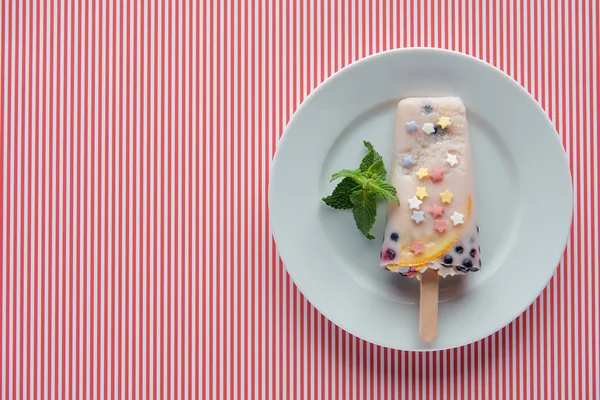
{"type": "Point", "coordinates": [360, 188]}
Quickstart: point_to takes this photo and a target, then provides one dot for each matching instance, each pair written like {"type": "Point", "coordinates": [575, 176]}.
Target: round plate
{"type": "Point", "coordinates": [523, 192]}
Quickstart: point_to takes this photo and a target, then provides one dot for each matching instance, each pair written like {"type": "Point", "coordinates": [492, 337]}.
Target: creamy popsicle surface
{"type": "Point", "coordinates": [435, 225]}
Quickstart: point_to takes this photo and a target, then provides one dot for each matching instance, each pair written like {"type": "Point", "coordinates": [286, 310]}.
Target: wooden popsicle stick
{"type": "Point", "coordinates": [428, 306]}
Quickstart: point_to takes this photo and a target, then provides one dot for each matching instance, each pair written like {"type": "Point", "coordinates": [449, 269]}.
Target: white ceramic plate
{"type": "Point", "coordinates": [523, 192]}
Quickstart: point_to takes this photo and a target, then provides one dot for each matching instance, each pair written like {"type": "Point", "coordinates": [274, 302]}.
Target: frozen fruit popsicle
{"type": "Point", "coordinates": [434, 228]}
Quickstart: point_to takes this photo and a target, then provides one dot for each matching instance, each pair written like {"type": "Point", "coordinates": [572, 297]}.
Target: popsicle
{"type": "Point", "coordinates": [434, 230]}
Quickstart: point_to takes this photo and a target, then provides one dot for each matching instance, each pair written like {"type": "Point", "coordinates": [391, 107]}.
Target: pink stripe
{"type": "Point", "coordinates": [188, 349]}
{"type": "Point", "coordinates": [3, 249]}
{"type": "Point", "coordinates": [23, 95]}
{"type": "Point", "coordinates": [120, 207]}
{"type": "Point", "coordinates": [85, 266]}
{"type": "Point", "coordinates": [71, 207]}
{"type": "Point", "coordinates": [113, 188]}
{"type": "Point", "coordinates": [148, 219]}
{"type": "Point", "coordinates": [36, 186]}
{"type": "Point", "coordinates": [29, 195]}
{"type": "Point", "coordinates": [201, 122]}
{"type": "Point", "coordinates": [94, 264]}
{"type": "Point", "coordinates": [144, 232]}
{"type": "Point", "coordinates": [54, 215]}
{"type": "Point", "coordinates": [198, 375]}
{"type": "Point", "coordinates": [176, 241]}
{"type": "Point", "coordinates": [169, 192]}
{"type": "Point", "coordinates": [595, 107]}
{"type": "Point", "coordinates": [128, 299]}
{"type": "Point", "coordinates": [136, 260]}
{"type": "Point", "coordinates": [108, 262]}
{"type": "Point", "coordinates": [65, 282]}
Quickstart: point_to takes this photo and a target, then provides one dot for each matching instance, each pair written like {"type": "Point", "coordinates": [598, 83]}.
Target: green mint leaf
{"type": "Point", "coordinates": [360, 188]}
{"type": "Point", "coordinates": [376, 170]}
{"type": "Point", "coordinates": [364, 211]}
{"type": "Point", "coordinates": [371, 157]}
{"type": "Point", "coordinates": [349, 173]}
{"type": "Point", "coordinates": [340, 198]}
{"type": "Point", "coordinates": [383, 189]}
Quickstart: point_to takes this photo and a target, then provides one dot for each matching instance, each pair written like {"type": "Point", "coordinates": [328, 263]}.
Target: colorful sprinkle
{"type": "Point", "coordinates": [444, 122]}
{"type": "Point", "coordinates": [452, 160]}
{"type": "Point", "coordinates": [407, 162]}
{"type": "Point", "coordinates": [457, 218]}
{"type": "Point", "coordinates": [428, 128]}
{"type": "Point", "coordinates": [411, 274]}
{"type": "Point", "coordinates": [423, 173]}
{"type": "Point", "coordinates": [414, 203]}
{"type": "Point", "coordinates": [417, 247]}
{"type": "Point", "coordinates": [446, 196]}
{"type": "Point", "coordinates": [437, 175]}
{"type": "Point", "coordinates": [418, 216]}
{"type": "Point", "coordinates": [411, 127]}
{"type": "Point", "coordinates": [440, 225]}
{"type": "Point", "coordinates": [436, 211]}
{"type": "Point", "coordinates": [421, 192]}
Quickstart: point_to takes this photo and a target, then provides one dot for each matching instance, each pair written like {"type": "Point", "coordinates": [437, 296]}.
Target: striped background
{"type": "Point", "coordinates": [136, 257]}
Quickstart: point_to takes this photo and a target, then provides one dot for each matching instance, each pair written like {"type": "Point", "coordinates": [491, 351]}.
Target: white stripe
{"type": "Point", "coordinates": [6, 50]}
{"type": "Point", "coordinates": [594, 124]}
{"type": "Point", "coordinates": [433, 26]}
{"type": "Point", "coordinates": [384, 15]}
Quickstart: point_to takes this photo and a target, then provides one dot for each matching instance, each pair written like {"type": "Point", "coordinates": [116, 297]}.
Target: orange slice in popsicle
{"type": "Point", "coordinates": [432, 250]}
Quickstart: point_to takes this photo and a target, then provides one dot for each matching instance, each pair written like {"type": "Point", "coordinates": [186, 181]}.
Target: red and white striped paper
{"type": "Point", "coordinates": [136, 256]}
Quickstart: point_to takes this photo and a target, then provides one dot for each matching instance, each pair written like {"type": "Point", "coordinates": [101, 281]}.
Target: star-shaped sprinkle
{"type": "Point", "coordinates": [417, 247]}
{"type": "Point", "coordinates": [428, 128]}
{"type": "Point", "coordinates": [452, 160]}
{"type": "Point", "coordinates": [457, 218]}
{"type": "Point", "coordinates": [411, 127]}
{"type": "Point", "coordinates": [421, 192]}
{"type": "Point", "coordinates": [436, 211]}
{"type": "Point", "coordinates": [437, 175]}
{"type": "Point", "coordinates": [440, 225]}
{"type": "Point", "coordinates": [407, 162]}
{"type": "Point", "coordinates": [414, 203]}
{"type": "Point", "coordinates": [423, 173]}
{"type": "Point", "coordinates": [418, 216]}
{"type": "Point", "coordinates": [444, 122]}
{"type": "Point", "coordinates": [446, 196]}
